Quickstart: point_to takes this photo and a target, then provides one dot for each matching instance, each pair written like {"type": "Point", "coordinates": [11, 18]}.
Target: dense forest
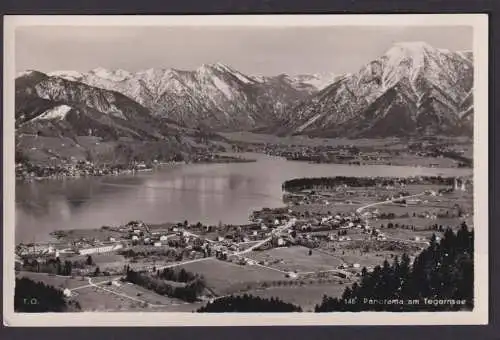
{"type": "Point", "coordinates": [248, 304]}
{"type": "Point", "coordinates": [162, 282]}
{"type": "Point", "coordinates": [298, 184]}
{"type": "Point", "coordinates": [440, 279]}
{"type": "Point", "coordinates": [51, 266]}
{"type": "Point", "coordinates": [36, 297]}
{"type": "Point", "coordinates": [177, 275]}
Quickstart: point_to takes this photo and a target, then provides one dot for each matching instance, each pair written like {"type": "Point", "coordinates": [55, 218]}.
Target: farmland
{"type": "Point", "coordinates": [226, 278]}
{"type": "Point", "coordinates": [297, 259]}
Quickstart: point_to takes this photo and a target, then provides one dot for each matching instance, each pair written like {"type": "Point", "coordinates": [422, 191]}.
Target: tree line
{"type": "Point", "coordinates": [51, 266]}
{"type": "Point", "coordinates": [177, 275]}
{"type": "Point", "coordinates": [443, 271]}
{"type": "Point", "coordinates": [248, 304]}
{"type": "Point", "coordinates": [298, 184]}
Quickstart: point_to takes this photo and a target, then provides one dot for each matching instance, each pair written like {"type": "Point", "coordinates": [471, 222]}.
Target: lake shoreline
{"type": "Point", "coordinates": [210, 193]}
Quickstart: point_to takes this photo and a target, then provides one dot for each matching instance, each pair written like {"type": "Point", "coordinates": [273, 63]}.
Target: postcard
{"type": "Point", "coordinates": [246, 170]}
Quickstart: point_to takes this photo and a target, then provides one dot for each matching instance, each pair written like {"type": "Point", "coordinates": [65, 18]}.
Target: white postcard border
{"type": "Point", "coordinates": [479, 315]}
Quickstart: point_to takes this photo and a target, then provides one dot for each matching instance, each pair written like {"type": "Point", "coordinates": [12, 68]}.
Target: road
{"type": "Point", "coordinates": [92, 284]}
{"type": "Point", "coordinates": [407, 241]}
{"type": "Point", "coordinates": [188, 233]}
{"type": "Point", "coordinates": [176, 264]}
{"type": "Point", "coordinates": [278, 230]}
{"type": "Point", "coordinates": [359, 210]}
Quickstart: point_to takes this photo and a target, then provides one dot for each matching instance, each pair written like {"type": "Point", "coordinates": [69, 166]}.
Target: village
{"type": "Point", "coordinates": [328, 232]}
{"type": "Point", "coordinates": [423, 152]}
{"type": "Point", "coordinates": [74, 168]}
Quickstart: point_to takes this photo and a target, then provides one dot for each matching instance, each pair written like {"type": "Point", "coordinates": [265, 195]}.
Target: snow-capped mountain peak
{"type": "Point", "coordinates": [69, 75]}
{"type": "Point", "coordinates": [26, 73]}
{"type": "Point", "coordinates": [414, 46]}
{"type": "Point", "coordinates": [113, 75]}
{"type": "Point", "coordinates": [411, 87]}
{"type": "Point", "coordinates": [414, 51]}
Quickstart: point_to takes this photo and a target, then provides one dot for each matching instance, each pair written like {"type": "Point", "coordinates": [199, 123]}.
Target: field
{"type": "Point", "coordinates": [126, 297]}
{"type": "Point", "coordinates": [227, 278]}
{"type": "Point", "coordinates": [324, 209]}
{"type": "Point", "coordinates": [105, 262]}
{"type": "Point", "coordinates": [306, 296]}
{"type": "Point", "coordinates": [56, 281]}
{"type": "Point", "coordinates": [258, 138]}
{"type": "Point", "coordinates": [40, 149]}
{"type": "Point", "coordinates": [379, 145]}
{"type": "Point", "coordinates": [99, 234]}
{"type": "Point", "coordinates": [297, 259]}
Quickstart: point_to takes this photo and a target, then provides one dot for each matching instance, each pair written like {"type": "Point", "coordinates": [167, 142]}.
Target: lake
{"type": "Point", "coordinates": [210, 193]}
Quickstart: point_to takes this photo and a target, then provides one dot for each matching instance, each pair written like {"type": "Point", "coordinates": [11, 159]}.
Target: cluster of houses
{"type": "Point", "coordinates": [74, 168]}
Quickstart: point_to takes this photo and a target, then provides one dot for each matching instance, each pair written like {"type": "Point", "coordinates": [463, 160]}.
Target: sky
{"type": "Point", "coordinates": [251, 50]}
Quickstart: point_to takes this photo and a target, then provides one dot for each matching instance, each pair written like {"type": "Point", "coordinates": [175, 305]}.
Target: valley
{"type": "Point", "coordinates": [169, 190]}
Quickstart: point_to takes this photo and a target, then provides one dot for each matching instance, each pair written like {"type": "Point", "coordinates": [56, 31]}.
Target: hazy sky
{"type": "Point", "coordinates": [251, 50]}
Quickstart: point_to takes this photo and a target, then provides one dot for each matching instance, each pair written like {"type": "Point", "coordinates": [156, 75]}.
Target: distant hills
{"type": "Point", "coordinates": [412, 89]}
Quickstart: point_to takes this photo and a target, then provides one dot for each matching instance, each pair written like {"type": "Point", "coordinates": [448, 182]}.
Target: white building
{"type": "Point", "coordinates": [100, 250]}
{"type": "Point", "coordinates": [157, 244]}
{"type": "Point", "coordinates": [163, 237]}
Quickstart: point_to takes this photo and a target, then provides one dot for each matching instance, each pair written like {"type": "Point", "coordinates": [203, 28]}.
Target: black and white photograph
{"type": "Point", "coordinates": [299, 169]}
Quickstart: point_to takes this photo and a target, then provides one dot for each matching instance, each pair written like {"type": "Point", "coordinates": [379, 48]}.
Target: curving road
{"type": "Point", "coordinates": [360, 209]}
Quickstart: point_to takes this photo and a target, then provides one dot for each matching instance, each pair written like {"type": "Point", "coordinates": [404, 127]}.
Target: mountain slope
{"type": "Point", "coordinates": [412, 89]}
{"type": "Point", "coordinates": [215, 95]}
{"type": "Point", "coordinates": [55, 106]}
{"type": "Point", "coordinates": [58, 118]}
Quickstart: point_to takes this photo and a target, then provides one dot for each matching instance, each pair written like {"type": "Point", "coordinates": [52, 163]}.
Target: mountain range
{"type": "Point", "coordinates": [412, 89]}
{"type": "Point", "coordinates": [58, 118]}
{"type": "Point", "coordinates": [214, 95]}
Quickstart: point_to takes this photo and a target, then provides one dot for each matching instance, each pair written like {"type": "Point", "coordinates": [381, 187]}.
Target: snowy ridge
{"type": "Point", "coordinates": [25, 73]}
{"type": "Point", "coordinates": [412, 87]}
{"type": "Point", "coordinates": [317, 80]}
{"type": "Point", "coordinates": [215, 94]}
{"type": "Point", "coordinates": [115, 75]}
{"type": "Point", "coordinates": [58, 112]}
{"type": "Point", "coordinates": [69, 75]}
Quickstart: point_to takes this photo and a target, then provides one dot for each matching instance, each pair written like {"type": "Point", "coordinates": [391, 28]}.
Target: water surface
{"type": "Point", "coordinates": [210, 193]}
